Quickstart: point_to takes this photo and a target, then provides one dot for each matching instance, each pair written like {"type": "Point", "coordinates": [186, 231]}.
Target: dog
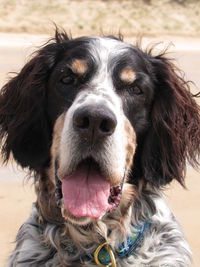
{"type": "Point", "coordinates": [104, 126]}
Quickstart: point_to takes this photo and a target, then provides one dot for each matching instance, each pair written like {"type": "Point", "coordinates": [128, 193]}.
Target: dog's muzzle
{"type": "Point", "coordinates": [93, 124]}
{"type": "Point", "coordinates": [92, 160]}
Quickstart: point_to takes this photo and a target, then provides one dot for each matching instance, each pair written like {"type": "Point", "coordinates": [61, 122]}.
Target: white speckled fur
{"type": "Point", "coordinates": [164, 244]}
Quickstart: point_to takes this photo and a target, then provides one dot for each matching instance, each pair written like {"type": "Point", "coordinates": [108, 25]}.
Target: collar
{"type": "Point", "coordinates": [105, 256]}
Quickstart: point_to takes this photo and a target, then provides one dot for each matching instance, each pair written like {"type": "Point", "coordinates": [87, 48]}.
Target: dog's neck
{"type": "Point", "coordinates": [113, 227]}
{"type": "Point", "coordinates": [70, 242]}
{"type": "Point", "coordinates": [80, 241]}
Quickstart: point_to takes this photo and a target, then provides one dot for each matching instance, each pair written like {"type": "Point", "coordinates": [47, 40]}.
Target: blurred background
{"type": "Point", "coordinates": [25, 25]}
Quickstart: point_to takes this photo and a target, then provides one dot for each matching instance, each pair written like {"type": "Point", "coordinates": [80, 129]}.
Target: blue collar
{"type": "Point", "coordinates": [105, 256]}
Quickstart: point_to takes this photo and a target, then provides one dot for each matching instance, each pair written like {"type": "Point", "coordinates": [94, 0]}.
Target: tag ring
{"type": "Point", "coordinates": [110, 252]}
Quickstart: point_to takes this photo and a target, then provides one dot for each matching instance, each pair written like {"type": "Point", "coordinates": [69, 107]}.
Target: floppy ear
{"type": "Point", "coordinates": [24, 127]}
{"type": "Point", "coordinates": [174, 134]}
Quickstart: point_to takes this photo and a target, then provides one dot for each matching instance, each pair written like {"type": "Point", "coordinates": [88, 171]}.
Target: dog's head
{"type": "Point", "coordinates": [95, 112]}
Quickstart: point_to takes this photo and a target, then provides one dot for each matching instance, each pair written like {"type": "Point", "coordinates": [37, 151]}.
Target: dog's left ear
{"type": "Point", "coordinates": [25, 130]}
{"type": "Point", "coordinates": [174, 134]}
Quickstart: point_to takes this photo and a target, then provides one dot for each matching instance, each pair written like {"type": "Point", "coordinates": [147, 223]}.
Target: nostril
{"type": "Point", "coordinates": [84, 123]}
{"type": "Point", "coordinates": [81, 122]}
{"type": "Point", "coordinates": [107, 126]}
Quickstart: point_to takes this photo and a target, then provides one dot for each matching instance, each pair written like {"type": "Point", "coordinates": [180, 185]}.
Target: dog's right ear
{"type": "Point", "coordinates": [173, 139]}
{"type": "Point", "coordinates": [24, 127]}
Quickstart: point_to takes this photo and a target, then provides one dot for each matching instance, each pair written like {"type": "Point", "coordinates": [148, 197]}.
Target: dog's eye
{"type": "Point", "coordinates": [68, 79]}
{"type": "Point", "coordinates": [136, 90]}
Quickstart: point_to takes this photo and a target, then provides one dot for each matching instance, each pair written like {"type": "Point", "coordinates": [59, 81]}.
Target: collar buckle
{"type": "Point", "coordinates": [107, 247]}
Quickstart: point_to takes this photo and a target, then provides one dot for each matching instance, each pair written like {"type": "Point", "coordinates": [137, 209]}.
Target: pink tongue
{"type": "Point", "coordinates": [86, 194]}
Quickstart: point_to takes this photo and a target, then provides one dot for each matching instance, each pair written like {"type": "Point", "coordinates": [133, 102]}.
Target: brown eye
{"type": "Point", "coordinates": [68, 80]}
{"type": "Point", "coordinates": [136, 90]}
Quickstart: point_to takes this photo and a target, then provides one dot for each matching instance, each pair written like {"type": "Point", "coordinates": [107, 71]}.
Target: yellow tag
{"type": "Point", "coordinates": [109, 250]}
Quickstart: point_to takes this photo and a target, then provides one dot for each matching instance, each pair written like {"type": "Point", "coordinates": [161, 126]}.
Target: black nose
{"type": "Point", "coordinates": [94, 122]}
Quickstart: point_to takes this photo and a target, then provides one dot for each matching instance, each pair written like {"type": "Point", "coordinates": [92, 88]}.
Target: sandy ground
{"type": "Point", "coordinates": [15, 205]}
{"type": "Point", "coordinates": [16, 196]}
{"type": "Point", "coordinates": [109, 16]}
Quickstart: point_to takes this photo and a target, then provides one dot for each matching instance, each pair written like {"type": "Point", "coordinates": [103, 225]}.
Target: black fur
{"type": "Point", "coordinates": [164, 115]}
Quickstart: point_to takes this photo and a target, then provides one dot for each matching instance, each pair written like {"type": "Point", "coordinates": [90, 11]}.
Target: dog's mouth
{"type": "Point", "coordinates": [87, 192]}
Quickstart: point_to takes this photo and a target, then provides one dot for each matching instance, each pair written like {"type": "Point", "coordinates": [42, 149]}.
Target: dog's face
{"type": "Point", "coordinates": [99, 84]}
{"type": "Point", "coordinates": [82, 106]}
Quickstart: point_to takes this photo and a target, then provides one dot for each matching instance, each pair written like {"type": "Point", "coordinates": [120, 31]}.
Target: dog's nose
{"type": "Point", "coordinates": [94, 122]}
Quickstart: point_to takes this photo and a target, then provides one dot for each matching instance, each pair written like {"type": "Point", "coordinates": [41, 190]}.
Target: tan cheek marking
{"type": "Point", "coordinates": [45, 188]}
{"type": "Point", "coordinates": [79, 66]}
{"type": "Point", "coordinates": [127, 75]}
{"type": "Point", "coordinates": [55, 145]}
{"type": "Point", "coordinates": [57, 134]}
{"type": "Point", "coordinates": [114, 179]}
{"type": "Point", "coordinates": [128, 196]}
{"type": "Point", "coordinates": [131, 144]}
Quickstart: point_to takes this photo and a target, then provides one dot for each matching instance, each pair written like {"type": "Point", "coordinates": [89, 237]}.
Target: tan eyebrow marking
{"type": "Point", "coordinates": [127, 75]}
{"type": "Point", "coordinates": [79, 66]}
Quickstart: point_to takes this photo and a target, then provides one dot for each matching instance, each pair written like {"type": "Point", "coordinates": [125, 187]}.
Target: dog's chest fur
{"type": "Point", "coordinates": [163, 245]}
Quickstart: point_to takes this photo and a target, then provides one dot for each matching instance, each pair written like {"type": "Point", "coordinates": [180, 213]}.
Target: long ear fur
{"type": "Point", "coordinates": [24, 128]}
{"type": "Point", "coordinates": [174, 135]}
